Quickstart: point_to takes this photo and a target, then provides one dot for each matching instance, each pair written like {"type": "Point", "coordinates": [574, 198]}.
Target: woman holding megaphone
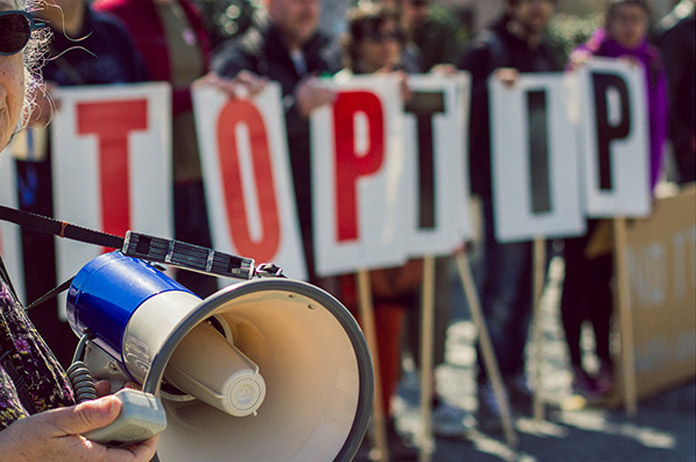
{"type": "Point", "coordinates": [39, 420]}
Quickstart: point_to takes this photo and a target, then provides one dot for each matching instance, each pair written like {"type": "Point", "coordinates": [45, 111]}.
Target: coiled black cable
{"type": "Point", "coordinates": [80, 378]}
{"type": "Point", "coordinates": [82, 382]}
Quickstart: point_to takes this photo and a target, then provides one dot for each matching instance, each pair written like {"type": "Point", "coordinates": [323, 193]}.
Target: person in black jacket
{"type": "Point", "coordinates": [285, 46]}
{"type": "Point", "coordinates": [514, 44]}
{"type": "Point", "coordinates": [677, 41]}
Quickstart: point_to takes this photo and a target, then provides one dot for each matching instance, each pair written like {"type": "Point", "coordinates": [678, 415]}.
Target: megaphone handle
{"type": "Point", "coordinates": [142, 416]}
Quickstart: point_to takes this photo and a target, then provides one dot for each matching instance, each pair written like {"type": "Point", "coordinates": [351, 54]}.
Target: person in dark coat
{"type": "Point", "coordinates": [514, 44]}
{"type": "Point", "coordinates": [677, 41]}
{"type": "Point", "coordinates": [285, 46]}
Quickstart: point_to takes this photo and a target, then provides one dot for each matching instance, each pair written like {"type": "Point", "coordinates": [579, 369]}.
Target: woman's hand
{"type": "Point", "coordinates": [56, 436]}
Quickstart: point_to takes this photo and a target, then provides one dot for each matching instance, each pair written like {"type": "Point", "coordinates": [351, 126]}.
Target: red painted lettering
{"type": "Point", "coordinates": [244, 112]}
{"type": "Point", "coordinates": [350, 164]}
{"type": "Point", "coordinates": [112, 122]}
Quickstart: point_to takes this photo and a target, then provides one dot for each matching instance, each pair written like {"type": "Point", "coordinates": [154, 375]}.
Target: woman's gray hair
{"type": "Point", "coordinates": [34, 56]}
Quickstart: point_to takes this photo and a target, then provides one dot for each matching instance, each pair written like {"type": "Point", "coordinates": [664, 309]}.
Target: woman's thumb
{"type": "Point", "coordinates": [86, 416]}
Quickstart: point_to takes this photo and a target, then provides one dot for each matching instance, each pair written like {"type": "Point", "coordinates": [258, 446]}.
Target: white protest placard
{"type": "Point", "coordinates": [111, 164]}
{"type": "Point", "coordinates": [11, 234]}
{"type": "Point", "coordinates": [534, 158]}
{"type": "Point", "coordinates": [436, 173]}
{"type": "Point", "coordinates": [357, 177]}
{"type": "Point", "coordinates": [616, 139]}
{"type": "Point", "coordinates": [247, 177]}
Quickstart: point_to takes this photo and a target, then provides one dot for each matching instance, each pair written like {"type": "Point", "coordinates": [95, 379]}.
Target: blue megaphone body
{"type": "Point", "coordinates": [107, 291]}
{"type": "Point", "coordinates": [264, 369]}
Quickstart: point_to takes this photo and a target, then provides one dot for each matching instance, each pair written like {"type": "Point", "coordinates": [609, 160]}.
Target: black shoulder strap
{"type": "Point", "coordinates": [60, 228]}
{"type": "Point", "coordinates": [155, 249]}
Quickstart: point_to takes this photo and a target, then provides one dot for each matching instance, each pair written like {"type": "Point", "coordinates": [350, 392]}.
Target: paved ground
{"type": "Point", "coordinates": [663, 430]}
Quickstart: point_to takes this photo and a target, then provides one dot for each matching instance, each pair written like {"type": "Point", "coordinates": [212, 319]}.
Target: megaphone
{"type": "Point", "coordinates": [268, 369]}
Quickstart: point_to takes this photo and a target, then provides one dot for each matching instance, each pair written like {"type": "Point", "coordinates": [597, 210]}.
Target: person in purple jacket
{"type": "Point", "coordinates": [625, 36]}
{"type": "Point", "coordinates": [587, 294]}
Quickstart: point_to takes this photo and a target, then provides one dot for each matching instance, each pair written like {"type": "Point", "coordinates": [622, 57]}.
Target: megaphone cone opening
{"type": "Point", "coordinates": [316, 369]}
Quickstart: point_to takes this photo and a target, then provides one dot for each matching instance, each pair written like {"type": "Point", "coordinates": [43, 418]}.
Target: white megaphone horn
{"type": "Point", "coordinates": [268, 369]}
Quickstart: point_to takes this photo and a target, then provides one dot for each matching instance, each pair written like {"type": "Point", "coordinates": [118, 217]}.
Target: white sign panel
{"type": "Point", "coordinates": [357, 178]}
{"type": "Point", "coordinates": [534, 158]}
{"type": "Point", "coordinates": [247, 178]}
{"type": "Point", "coordinates": [436, 173]}
{"type": "Point", "coordinates": [11, 234]}
{"type": "Point", "coordinates": [111, 164]}
{"type": "Point", "coordinates": [616, 139]}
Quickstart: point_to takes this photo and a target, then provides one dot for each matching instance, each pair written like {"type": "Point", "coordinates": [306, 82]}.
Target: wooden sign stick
{"type": "Point", "coordinates": [537, 330]}
{"type": "Point", "coordinates": [622, 299]}
{"type": "Point", "coordinates": [426, 362]}
{"type": "Point", "coordinates": [367, 316]}
{"type": "Point", "coordinates": [489, 359]}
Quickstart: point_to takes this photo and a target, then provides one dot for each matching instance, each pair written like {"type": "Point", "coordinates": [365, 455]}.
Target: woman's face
{"type": "Point", "coordinates": [380, 48]}
{"type": "Point", "coordinates": [628, 26]}
{"type": "Point", "coordinates": [11, 88]}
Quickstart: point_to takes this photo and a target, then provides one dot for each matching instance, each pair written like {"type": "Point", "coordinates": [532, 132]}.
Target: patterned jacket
{"type": "Point", "coordinates": [31, 379]}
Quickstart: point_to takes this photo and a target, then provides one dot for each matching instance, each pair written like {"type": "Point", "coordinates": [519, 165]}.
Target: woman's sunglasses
{"type": "Point", "coordinates": [15, 31]}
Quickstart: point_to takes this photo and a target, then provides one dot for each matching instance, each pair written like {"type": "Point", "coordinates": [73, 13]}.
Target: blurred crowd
{"type": "Point", "coordinates": [237, 46]}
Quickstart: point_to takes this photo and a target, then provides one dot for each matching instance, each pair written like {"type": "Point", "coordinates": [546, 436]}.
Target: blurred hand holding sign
{"type": "Point", "coordinates": [435, 149]}
{"type": "Point", "coordinates": [615, 139]}
{"type": "Point", "coordinates": [389, 177]}
{"type": "Point", "coordinates": [357, 178]}
{"type": "Point", "coordinates": [534, 158]}
{"type": "Point", "coordinates": [247, 178]}
{"type": "Point", "coordinates": [569, 146]}
{"type": "Point", "coordinates": [389, 180]}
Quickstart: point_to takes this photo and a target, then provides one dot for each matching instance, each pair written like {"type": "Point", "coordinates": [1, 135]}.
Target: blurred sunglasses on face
{"type": "Point", "coordinates": [381, 37]}
{"type": "Point", "coordinates": [15, 31]}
